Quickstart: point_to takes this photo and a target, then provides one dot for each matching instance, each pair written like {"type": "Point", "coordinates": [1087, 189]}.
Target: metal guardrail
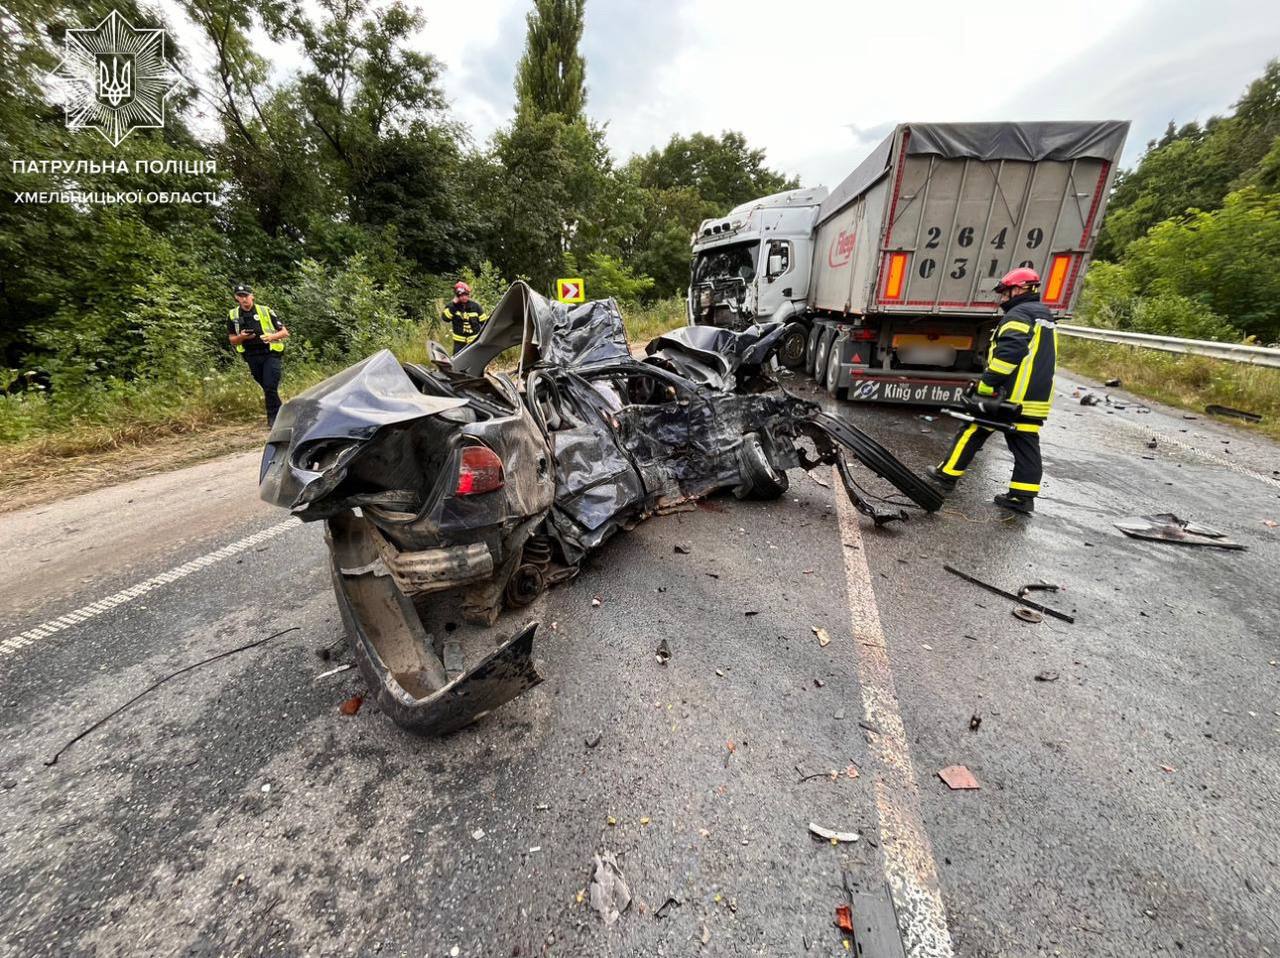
{"type": "Point", "coordinates": [1232, 352]}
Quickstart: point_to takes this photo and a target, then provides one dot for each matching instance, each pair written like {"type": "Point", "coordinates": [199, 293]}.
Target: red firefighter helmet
{"type": "Point", "coordinates": [460, 287]}
{"type": "Point", "coordinates": [1022, 276]}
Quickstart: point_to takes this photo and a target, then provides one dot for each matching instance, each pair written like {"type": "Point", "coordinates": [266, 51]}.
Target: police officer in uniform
{"type": "Point", "coordinates": [258, 336]}
{"type": "Point", "coordinates": [464, 316]}
{"type": "Point", "coordinates": [1020, 368]}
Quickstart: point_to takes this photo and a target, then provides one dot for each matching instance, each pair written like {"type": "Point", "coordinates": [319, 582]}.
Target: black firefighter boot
{"type": "Point", "coordinates": [1024, 504]}
{"type": "Point", "coordinates": [948, 483]}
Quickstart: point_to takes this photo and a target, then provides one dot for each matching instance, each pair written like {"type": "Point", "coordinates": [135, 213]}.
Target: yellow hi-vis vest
{"type": "Point", "coordinates": [264, 320]}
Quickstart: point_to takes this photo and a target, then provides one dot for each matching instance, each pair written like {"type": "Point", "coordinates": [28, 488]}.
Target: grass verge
{"type": "Point", "coordinates": [1188, 382]}
{"type": "Point", "coordinates": [149, 427]}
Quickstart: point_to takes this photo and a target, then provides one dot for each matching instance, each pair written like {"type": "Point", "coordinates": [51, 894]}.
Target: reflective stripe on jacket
{"type": "Point", "coordinates": [264, 320]}
{"type": "Point", "coordinates": [1023, 357]}
{"type": "Point", "coordinates": [466, 320]}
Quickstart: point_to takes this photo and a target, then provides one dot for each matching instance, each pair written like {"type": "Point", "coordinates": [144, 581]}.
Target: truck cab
{"type": "Point", "coordinates": [753, 264]}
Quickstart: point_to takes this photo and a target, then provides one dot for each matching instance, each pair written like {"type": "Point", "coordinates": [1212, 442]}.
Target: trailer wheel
{"type": "Point", "coordinates": [833, 374]}
{"type": "Point", "coordinates": [820, 359]}
{"type": "Point", "coordinates": [759, 478]}
{"type": "Point", "coordinates": [811, 349]}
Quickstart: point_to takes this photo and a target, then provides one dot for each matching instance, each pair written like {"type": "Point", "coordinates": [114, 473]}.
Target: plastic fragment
{"type": "Point", "coordinates": [351, 706]}
{"type": "Point", "coordinates": [823, 638]}
{"type": "Point", "coordinates": [833, 837]}
{"type": "Point", "coordinates": [958, 778]}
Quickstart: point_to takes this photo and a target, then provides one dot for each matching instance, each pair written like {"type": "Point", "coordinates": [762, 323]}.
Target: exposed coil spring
{"type": "Point", "coordinates": [537, 549]}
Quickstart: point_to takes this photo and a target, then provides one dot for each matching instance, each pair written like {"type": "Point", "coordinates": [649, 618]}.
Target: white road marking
{"type": "Point", "coordinates": [53, 626]}
{"type": "Point", "coordinates": [1168, 440]}
{"type": "Point", "coordinates": [908, 856]}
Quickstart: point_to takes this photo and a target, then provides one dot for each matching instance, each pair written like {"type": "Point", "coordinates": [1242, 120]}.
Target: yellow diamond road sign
{"type": "Point", "coordinates": [570, 290]}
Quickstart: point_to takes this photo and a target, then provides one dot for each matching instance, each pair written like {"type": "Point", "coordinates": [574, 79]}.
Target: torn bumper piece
{"type": "Point", "coordinates": [397, 657]}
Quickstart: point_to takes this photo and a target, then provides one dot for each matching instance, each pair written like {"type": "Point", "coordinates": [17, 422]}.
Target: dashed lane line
{"type": "Point", "coordinates": [31, 636]}
{"type": "Point", "coordinates": [909, 866]}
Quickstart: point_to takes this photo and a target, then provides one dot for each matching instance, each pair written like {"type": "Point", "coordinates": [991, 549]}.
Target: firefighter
{"type": "Point", "coordinates": [1020, 369]}
{"type": "Point", "coordinates": [258, 336]}
{"type": "Point", "coordinates": [464, 316]}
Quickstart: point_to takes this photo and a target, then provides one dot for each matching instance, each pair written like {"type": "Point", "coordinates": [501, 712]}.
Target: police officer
{"type": "Point", "coordinates": [464, 316]}
{"type": "Point", "coordinates": [258, 336]}
{"type": "Point", "coordinates": [1020, 368]}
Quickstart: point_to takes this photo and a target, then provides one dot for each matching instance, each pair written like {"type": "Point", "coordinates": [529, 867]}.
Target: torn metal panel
{"type": "Point", "coordinates": [1166, 527]}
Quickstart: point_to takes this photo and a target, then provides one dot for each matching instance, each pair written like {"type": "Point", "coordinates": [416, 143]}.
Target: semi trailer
{"type": "Point", "coordinates": [887, 280]}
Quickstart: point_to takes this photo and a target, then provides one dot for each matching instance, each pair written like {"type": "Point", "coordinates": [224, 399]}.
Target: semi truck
{"type": "Point", "coordinates": [887, 281]}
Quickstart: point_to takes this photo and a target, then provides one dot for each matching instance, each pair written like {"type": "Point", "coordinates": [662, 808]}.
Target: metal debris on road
{"type": "Point", "coordinates": [351, 706]}
{"type": "Point", "coordinates": [663, 652]}
{"type": "Point", "coordinates": [823, 638]}
{"type": "Point", "coordinates": [155, 685]}
{"type": "Point", "coordinates": [340, 668]}
{"type": "Point", "coordinates": [1112, 383]}
{"type": "Point", "coordinates": [1028, 615]}
{"type": "Point", "coordinates": [834, 837]}
{"type": "Point", "coordinates": [1231, 413]}
{"type": "Point", "coordinates": [1009, 595]}
{"type": "Point", "coordinates": [1166, 527]}
{"type": "Point", "coordinates": [1040, 586]}
{"type": "Point", "coordinates": [608, 890]}
{"type": "Point", "coordinates": [682, 549]}
{"type": "Point", "coordinates": [958, 778]}
{"type": "Point", "coordinates": [1046, 676]}
{"type": "Point", "coordinates": [975, 722]}
{"type": "Point", "coordinates": [666, 906]}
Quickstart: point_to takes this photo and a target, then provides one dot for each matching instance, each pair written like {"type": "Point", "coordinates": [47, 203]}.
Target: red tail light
{"type": "Point", "coordinates": [864, 335]}
{"type": "Point", "coordinates": [480, 471]}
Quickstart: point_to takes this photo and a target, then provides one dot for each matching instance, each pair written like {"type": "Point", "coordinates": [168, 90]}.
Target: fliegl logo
{"type": "Point", "coordinates": [841, 249]}
{"type": "Point", "coordinates": [115, 78]}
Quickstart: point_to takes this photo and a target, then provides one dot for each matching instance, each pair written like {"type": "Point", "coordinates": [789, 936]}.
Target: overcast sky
{"type": "Point", "coordinates": [817, 83]}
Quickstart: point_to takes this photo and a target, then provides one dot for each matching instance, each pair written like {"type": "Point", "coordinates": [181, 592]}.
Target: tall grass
{"type": "Point", "coordinates": [1188, 382]}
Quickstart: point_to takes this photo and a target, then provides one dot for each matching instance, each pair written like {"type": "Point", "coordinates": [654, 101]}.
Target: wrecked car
{"type": "Point", "coordinates": [457, 482]}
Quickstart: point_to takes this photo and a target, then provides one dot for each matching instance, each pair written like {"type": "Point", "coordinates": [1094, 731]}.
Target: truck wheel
{"type": "Point", "coordinates": [791, 351]}
{"type": "Point", "coordinates": [758, 477]}
{"type": "Point", "coordinates": [833, 373]}
{"type": "Point", "coordinates": [811, 349]}
{"type": "Point", "coordinates": [820, 359]}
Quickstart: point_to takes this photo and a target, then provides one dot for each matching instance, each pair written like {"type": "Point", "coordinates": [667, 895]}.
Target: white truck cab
{"type": "Point", "coordinates": [753, 264]}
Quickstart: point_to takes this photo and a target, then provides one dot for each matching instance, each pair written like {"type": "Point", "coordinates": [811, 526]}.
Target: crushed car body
{"type": "Point", "coordinates": [462, 484]}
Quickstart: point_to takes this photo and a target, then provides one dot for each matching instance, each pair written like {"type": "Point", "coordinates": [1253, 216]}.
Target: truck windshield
{"type": "Point", "coordinates": [727, 262]}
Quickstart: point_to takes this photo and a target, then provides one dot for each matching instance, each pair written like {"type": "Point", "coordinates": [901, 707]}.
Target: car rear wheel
{"type": "Point", "coordinates": [759, 478]}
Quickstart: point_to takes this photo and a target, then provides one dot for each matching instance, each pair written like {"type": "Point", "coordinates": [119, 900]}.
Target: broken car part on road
{"type": "Point", "coordinates": [1166, 527]}
{"type": "Point", "coordinates": [1020, 598]}
{"type": "Point", "coordinates": [470, 486]}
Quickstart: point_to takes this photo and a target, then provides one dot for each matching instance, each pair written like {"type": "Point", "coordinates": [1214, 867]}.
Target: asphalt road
{"type": "Point", "coordinates": [1127, 805]}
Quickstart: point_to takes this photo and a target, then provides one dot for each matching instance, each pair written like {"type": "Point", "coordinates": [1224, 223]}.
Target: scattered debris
{"type": "Point", "coordinates": [662, 653]}
{"type": "Point", "coordinates": [751, 613]}
{"type": "Point", "coordinates": [958, 778]}
{"type": "Point", "coordinates": [868, 726]}
{"type": "Point", "coordinates": [595, 602]}
{"type": "Point", "coordinates": [823, 638]}
{"type": "Point", "coordinates": [844, 918]}
{"type": "Point", "coordinates": [1046, 676]}
{"type": "Point", "coordinates": [1040, 586]}
{"type": "Point", "coordinates": [1167, 768]}
{"type": "Point", "coordinates": [818, 683]}
{"type": "Point", "coordinates": [1270, 523]}
{"type": "Point", "coordinates": [592, 740]}
{"type": "Point", "coordinates": [1089, 399]}
{"type": "Point", "coordinates": [1166, 527]}
{"type": "Point", "coordinates": [340, 668]}
{"type": "Point", "coordinates": [1009, 595]}
{"type": "Point", "coordinates": [666, 906]}
{"type": "Point", "coordinates": [155, 685]}
{"type": "Point", "coordinates": [1028, 615]}
{"type": "Point", "coordinates": [1151, 443]}
{"type": "Point", "coordinates": [839, 716]}
{"type": "Point", "coordinates": [835, 838]}
{"type": "Point", "coordinates": [1112, 383]}
{"type": "Point", "coordinates": [1231, 413]}
{"type": "Point", "coordinates": [610, 896]}
{"type": "Point", "coordinates": [706, 935]}
{"type": "Point", "coordinates": [975, 722]}
{"type": "Point", "coordinates": [352, 705]}
{"type": "Point", "coordinates": [682, 549]}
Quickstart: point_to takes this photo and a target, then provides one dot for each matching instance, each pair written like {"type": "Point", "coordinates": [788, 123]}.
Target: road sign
{"type": "Point", "coordinates": [570, 290]}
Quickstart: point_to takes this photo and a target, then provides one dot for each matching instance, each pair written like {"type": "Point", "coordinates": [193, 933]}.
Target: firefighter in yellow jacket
{"type": "Point", "coordinates": [1020, 368]}
{"type": "Point", "coordinates": [466, 318]}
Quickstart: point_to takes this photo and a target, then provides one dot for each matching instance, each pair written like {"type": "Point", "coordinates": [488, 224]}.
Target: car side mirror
{"type": "Point", "coordinates": [775, 265]}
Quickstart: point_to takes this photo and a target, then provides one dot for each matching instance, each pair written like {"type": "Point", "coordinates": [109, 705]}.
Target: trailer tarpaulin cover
{"type": "Point", "coordinates": [1101, 140]}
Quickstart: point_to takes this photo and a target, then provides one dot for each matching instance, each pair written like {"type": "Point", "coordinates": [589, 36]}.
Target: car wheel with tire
{"type": "Point", "coordinates": [759, 478]}
{"type": "Point", "coordinates": [791, 350]}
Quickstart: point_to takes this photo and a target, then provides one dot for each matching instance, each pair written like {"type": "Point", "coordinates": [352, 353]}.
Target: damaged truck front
{"type": "Point", "coordinates": [453, 483]}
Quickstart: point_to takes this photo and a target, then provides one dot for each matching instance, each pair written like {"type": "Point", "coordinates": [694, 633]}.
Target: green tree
{"type": "Point", "coordinates": [551, 75]}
